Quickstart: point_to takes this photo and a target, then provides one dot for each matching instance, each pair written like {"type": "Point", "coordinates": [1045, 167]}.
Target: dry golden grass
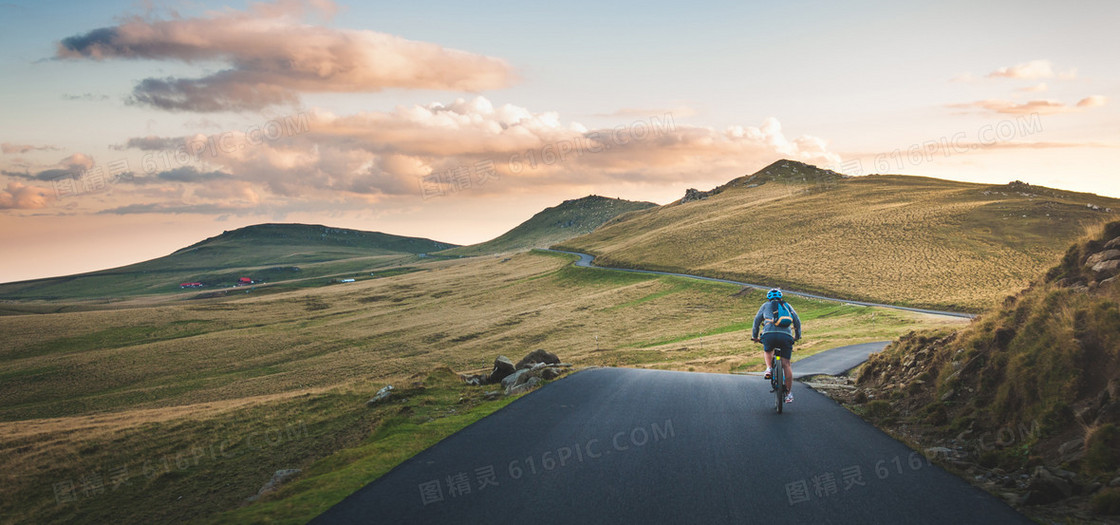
{"type": "Point", "coordinates": [87, 390]}
{"type": "Point", "coordinates": [893, 239]}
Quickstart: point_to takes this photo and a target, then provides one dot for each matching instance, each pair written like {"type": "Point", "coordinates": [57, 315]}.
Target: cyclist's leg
{"type": "Point", "coordinates": [784, 346]}
{"type": "Point", "coordinates": [767, 351]}
{"type": "Point", "coordinates": [789, 374]}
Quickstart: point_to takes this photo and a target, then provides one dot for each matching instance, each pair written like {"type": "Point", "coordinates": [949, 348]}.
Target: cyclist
{"type": "Point", "coordinates": [775, 337]}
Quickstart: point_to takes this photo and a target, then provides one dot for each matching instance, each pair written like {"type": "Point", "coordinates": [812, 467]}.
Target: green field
{"type": "Point", "coordinates": [297, 254]}
{"type": "Point", "coordinates": [157, 389]}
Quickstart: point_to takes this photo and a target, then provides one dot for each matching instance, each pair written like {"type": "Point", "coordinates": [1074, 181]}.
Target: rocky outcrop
{"type": "Point", "coordinates": [534, 375]}
{"type": "Point", "coordinates": [1100, 257]}
{"type": "Point", "coordinates": [693, 194]}
{"type": "Point", "coordinates": [503, 367]}
{"type": "Point", "coordinates": [532, 370]}
{"type": "Point", "coordinates": [537, 356]}
{"type": "Point", "coordinates": [524, 387]}
{"type": "Point", "coordinates": [511, 379]}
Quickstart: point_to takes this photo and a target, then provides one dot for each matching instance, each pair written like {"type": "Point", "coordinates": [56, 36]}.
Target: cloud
{"type": "Point", "coordinates": [151, 143]}
{"type": "Point", "coordinates": [71, 166]}
{"type": "Point", "coordinates": [677, 112]}
{"type": "Point", "coordinates": [185, 174]}
{"type": "Point", "coordinates": [9, 148]}
{"type": "Point", "coordinates": [87, 97]}
{"type": "Point", "coordinates": [377, 155]}
{"type": "Point", "coordinates": [175, 208]}
{"type": "Point", "coordinates": [1042, 107]}
{"type": "Point", "coordinates": [1039, 145]}
{"type": "Point", "coordinates": [1092, 101]}
{"type": "Point", "coordinates": [23, 197]}
{"type": "Point", "coordinates": [1037, 88]}
{"type": "Point", "coordinates": [1031, 70]}
{"type": "Point", "coordinates": [272, 56]}
{"type": "Point", "coordinates": [77, 162]}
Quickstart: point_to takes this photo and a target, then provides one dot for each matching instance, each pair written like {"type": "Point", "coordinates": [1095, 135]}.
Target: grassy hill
{"type": "Point", "coordinates": [1033, 382]}
{"type": "Point", "coordinates": [263, 252]}
{"type": "Point", "coordinates": [183, 409]}
{"type": "Point", "coordinates": [571, 218]}
{"type": "Point", "coordinates": [890, 238]}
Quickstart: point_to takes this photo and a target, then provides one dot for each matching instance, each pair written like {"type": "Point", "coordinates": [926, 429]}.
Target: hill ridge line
{"type": "Point", "coordinates": [587, 260]}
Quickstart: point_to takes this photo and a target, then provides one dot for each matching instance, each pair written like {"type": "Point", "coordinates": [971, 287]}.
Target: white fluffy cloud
{"type": "Point", "coordinates": [1032, 70]}
{"type": "Point", "coordinates": [383, 154]}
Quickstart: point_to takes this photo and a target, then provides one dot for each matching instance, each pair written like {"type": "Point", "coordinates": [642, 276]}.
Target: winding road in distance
{"type": "Point", "coordinates": [587, 261]}
{"type": "Point", "coordinates": [617, 445]}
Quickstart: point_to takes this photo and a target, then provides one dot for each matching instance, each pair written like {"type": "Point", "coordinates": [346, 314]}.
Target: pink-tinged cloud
{"type": "Point", "coordinates": [379, 155]}
{"type": "Point", "coordinates": [77, 162]}
{"type": "Point", "coordinates": [1092, 101]}
{"type": "Point", "coordinates": [1030, 70]}
{"type": "Point", "coordinates": [1042, 107]}
{"type": "Point", "coordinates": [9, 148]}
{"type": "Point", "coordinates": [272, 57]}
{"type": "Point", "coordinates": [19, 196]}
{"type": "Point", "coordinates": [1037, 88]}
{"type": "Point", "coordinates": [1035, 69]}
{"type": "Point", "coordinates": [70, 167]}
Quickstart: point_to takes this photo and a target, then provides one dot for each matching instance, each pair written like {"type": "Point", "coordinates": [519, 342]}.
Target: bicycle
{"type": "Point", "coordinates": [777, 381]}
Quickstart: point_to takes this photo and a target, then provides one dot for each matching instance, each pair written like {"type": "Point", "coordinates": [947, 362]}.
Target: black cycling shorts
{"type": "Point", "coordinates": [783, 343]}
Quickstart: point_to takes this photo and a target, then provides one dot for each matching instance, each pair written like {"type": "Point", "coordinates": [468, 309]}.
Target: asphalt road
{"type": "Point", "coordinates": [832, 362]}
{"type": "Point", "coordinates": [649, 447]}
{"type": "Point", "coordinates": [587, 261]}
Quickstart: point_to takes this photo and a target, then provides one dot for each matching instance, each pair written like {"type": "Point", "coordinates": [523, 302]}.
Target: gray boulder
{"type": "Point", "coordinates": [1045, 487]}
{"type": "Point", "coordinates": [537, 356]}
{"type": "Point", "coordinates": [503, 366]}
{"type": "Point", "coordinates": [381, 395]}
{"type": "Point", "coordinates": [1099, 257]}
{"type": "Point", "coordinates": [1106, 266]}
{"type": "Point", "coordinates": [476, 379]}
{"type": "Point", "coordinates": [511, 379]}
{"type": "Point", "coordinates": [524, 387]}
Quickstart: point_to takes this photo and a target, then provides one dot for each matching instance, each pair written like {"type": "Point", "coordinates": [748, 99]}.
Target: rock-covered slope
{"type": "Point", "coordinates": [1026, 400]}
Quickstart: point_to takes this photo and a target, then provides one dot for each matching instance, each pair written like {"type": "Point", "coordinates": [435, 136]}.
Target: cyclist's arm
{"type": "Point", "coordinates": [796, 323]}
{"type": "Point", "coordinates": [757, 322]}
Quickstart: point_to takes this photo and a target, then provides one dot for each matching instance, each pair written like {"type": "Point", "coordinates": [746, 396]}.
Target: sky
{"type": "Point", "coordinates": [131, 129]}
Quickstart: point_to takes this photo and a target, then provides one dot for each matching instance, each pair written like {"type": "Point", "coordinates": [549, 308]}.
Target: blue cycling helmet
{"type": "Point", "coordinates": [773, 294]}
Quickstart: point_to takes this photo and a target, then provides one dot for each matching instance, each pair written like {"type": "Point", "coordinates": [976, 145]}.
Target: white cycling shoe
{"type": "Point", "coordinates": [767, 374]}
{"type": "Point", "coordinates": [789, 397]}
